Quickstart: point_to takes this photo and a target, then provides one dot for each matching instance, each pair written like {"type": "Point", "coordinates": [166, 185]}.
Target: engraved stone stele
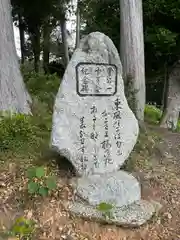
{"type": "Point", "coordinates": [94, 128]}
{"type": "Point", "coordinates": [93, 125]}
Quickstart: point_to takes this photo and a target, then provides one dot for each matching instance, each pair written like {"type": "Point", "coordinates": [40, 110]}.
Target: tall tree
{"type": "Point", "coordinates": [46, 43]}
{"type": "Point", "coordinates": [21, 27]}
{"type": "Point", "coordinates": [172, 109]}
{"type": "Point", "coordinates": [64, 37]}
{"type": "Point", "coordinates": [77, 24]}
{"type": "Point", "coordinates": [13, 94]}
{"type": "Point", "coordinates": [132, 54]}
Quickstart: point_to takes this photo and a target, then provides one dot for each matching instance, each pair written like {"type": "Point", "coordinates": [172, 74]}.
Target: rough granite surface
{"type": "Point", "coordinates": [134, 215]}
{"type": "Point", "coordinates": [95, 133]}
{"type": "Point", "coordinates": [116, 188]}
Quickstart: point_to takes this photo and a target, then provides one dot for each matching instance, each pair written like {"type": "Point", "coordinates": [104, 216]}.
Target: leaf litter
{"type": "Point", "coordinates": [160, 182]}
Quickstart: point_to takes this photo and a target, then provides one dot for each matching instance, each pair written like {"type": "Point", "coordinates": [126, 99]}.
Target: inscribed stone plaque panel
{"type": "Point", "coordinates": [96, 79]}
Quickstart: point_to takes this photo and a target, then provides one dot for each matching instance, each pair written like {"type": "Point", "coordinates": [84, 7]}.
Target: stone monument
{"type": "Point", "coordinates": [94, 128]}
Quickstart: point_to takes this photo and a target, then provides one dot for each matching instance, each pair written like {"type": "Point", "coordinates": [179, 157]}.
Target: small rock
{"type": "Point", "coordinates": [168, 215]}
{"type": "Point", "coordinates": [159, 221]}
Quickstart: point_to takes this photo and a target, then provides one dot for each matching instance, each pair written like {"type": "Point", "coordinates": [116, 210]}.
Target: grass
{"type": "Point", "coordinates": [153, 116]}
{"type": "Point", "coordinates": [29, 135]}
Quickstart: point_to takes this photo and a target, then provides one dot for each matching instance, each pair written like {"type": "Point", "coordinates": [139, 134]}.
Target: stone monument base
{"type": "Point", "coordinates": [133, 215]}
{"type": "Point", "coordinates": [121, 191]}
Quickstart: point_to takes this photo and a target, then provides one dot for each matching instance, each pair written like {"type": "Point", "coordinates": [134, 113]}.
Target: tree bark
{"type": "Point", "coordinates": [36, 48]}
{"type": "Point", "coordinates": [46, 44]}
{"type": "Point", "coordinates": [22, 38]}
{"type": "Point", "coordinates": [171, 113]}
{"type": "Point", "coordinates": [77, 25]}
{"type": "Point", "coordinates": [64, 39]}
{"type": "Point", "coordinates": [132, 54]}
{"type": "Point", "coordinates": [13, 94]}
{"type": "Point", "coordinates": [165, 88]}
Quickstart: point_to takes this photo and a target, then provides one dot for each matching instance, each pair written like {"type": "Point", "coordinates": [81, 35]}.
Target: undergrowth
{"type": "Point", "coordinates": [23, 140]}
{"type": "Point", "coordinates": [152, 114]}
{"type": "Point", "coordinates": [30, 134]}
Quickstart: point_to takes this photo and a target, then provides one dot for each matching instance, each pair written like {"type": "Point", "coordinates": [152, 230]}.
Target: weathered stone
{"type": "Point", "coordinates": [93, 126]}
{"type": "Point", "coordinates": [117, 188]}
{"type": "Point", "coordinates": [133, 215]}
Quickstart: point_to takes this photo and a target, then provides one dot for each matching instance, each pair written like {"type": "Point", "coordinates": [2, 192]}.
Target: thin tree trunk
{"type": "Point", "coordinates": [46, 44]}
{"type": "Point", "coordinates": [22, 38]}
{"type": "Point", "coordinates": [13, 94]}
{"type": "Point", "coordinates": [64, 39]}
{"type": "Point", "coordinates": [36, 49]}
{"type": "Point", "coordinates": [165, 88]}
{"type": "Point", "coordinates": [171, 112]}
{"type": "Point", "coordinates": [77, 25]}
{"type": "Point", "coordinates": [132, 54]}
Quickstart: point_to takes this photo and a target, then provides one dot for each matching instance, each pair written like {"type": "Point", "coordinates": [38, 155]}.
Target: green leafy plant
{"type": "Point", "coordinates": [15, 130]}
{"type": "Point", "coordinates": [23, 229]}
{"type": "Point", "coordinates": [39, 183]}
{"type": "Point", "coordinates": [44, 87]}
{"type": "Point", "coordinates": [152, 114]}
{"type": "Point", "coordinates": [105, 209]}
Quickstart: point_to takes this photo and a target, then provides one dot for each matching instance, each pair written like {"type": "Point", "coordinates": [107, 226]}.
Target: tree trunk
{"type": "Point", "coordinates": [77, 25]}
{"type": "Point", "coordinates": [64, 40]}
{"type": "Point", "coordinates": [36, 48]}
{"type": "Point", "coordinates": [22, 38]}
{"type": "Point", "coordinates": [132, 54]}
{"type": "Point", "coordinates": [165, 88]}
{"type": "Point", "coordinates": [13, 94]}
{"type": "Point", "coordinates": [46, 44]}
{"type": "Point", "coordinates": [171, 113]}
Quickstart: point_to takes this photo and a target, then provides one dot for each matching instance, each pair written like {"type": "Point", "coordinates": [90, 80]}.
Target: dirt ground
{"type": "Point", "coordinates": [160, 181]}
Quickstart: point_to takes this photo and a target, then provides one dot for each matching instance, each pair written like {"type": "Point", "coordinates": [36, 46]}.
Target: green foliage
{"type": "Point", "coordinates": [101, 16]}
{"type": "Point", "coordinates": [178, 126]}
{"type": "Point", "coordinates": [40, 172]}
{"type": "Point", "coordinates": [44, 87]}
{"type": "Point", "coordinates": [23, 228]}
{"type": "Point", "coordinates": [50, 183]}
{"type": "Point", "coordinates": [33, 187]}
{"type": "Point", "coordinates": [105, 209]}
{"type": "Point", "coordinates": [19, 132]}
{"type": "Point", "coordinates": [33, 17]}
{"type": "Point", "coordinates": [152, 114]}
{"type": "Point", "coordinates": [161, 28]}
{"type": "Point", "coordinates": [15, 130]}
{"type": "Point", "coordinates": [39, 183]}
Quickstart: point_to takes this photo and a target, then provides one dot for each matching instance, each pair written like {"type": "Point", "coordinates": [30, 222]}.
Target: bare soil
{"type": "Point", "coordinates": [159, 177]}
